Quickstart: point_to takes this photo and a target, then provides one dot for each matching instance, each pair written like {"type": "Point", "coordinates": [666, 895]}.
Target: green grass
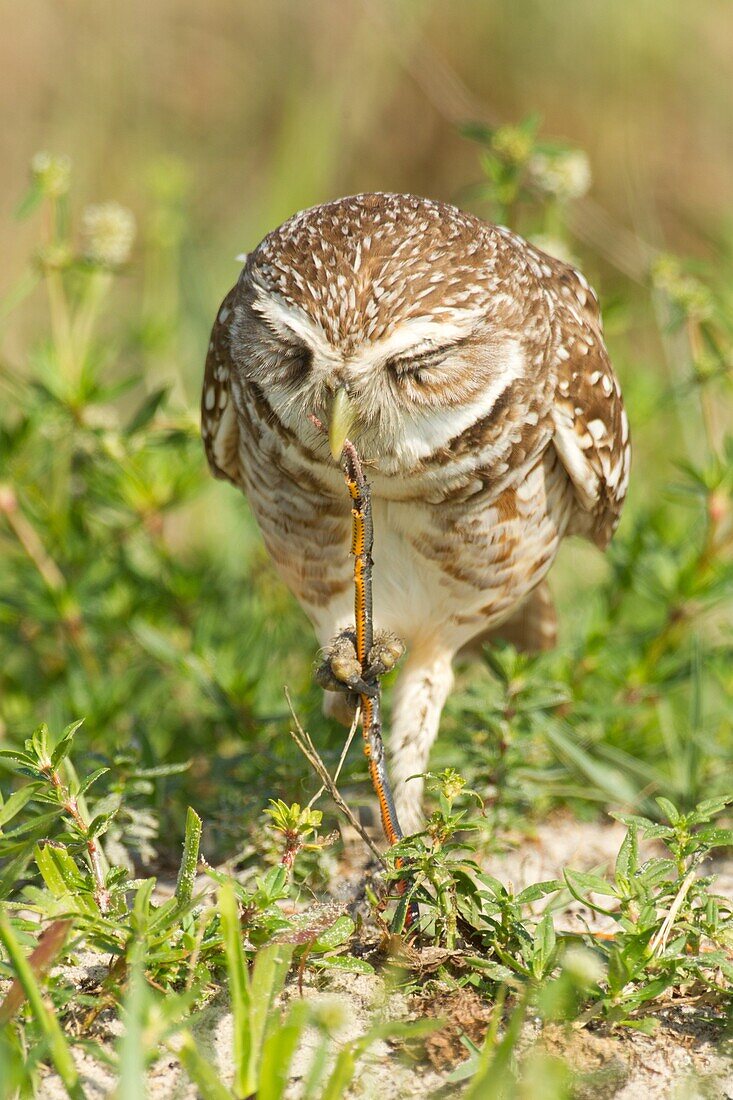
{"type": "Point", "coordinates": [174, 648]}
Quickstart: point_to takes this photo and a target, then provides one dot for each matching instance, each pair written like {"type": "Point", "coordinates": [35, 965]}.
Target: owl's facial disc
{"type": "Point", "coordinates": [399, 397]}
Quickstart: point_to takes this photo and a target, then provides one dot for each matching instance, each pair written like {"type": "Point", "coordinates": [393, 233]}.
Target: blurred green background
{"type": "Point", "coordinates": [212, 123]}
{"type": "Point", "coordinates": [240, 113]}
{"type": "Point", "coordinates": [272, 107]}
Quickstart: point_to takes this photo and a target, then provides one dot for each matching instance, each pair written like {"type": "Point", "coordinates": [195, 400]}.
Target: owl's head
{"type": "Point", "coordinates": [396, 320]}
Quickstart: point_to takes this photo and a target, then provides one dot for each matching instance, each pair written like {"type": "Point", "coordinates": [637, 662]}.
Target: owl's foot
{"type": "Point", "coordinates": [384, 654]}
{"type": "Point", "coordinates": [340, 669]}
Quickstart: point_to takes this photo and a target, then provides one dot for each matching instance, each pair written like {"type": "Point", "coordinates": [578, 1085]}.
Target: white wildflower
{"type": "Point", "coordinates": [51, 173]}
{"type": "Point", "coordinates": [108, 230]}
{"type": "Point", "coordinates": [565, 174]}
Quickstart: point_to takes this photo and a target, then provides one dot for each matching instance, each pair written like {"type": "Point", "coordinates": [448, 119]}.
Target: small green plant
{"type": "Point", "coordinates": [295, 825]}
{"type": "Point", "coordinates": [673, 931]}
{"type": "Point", "coordinates": [528, 181]}
{"type": "Point", "coordinates": [436, 867]}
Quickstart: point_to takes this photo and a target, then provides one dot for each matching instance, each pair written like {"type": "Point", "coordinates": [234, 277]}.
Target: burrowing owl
{"type": "Point", "coordinates": [470, 371]}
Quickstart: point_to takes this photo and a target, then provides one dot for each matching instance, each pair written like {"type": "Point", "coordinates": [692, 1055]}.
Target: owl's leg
{"type": "Point", "coordinates": [419, 696]}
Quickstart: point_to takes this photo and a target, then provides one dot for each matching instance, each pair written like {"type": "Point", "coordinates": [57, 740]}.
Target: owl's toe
{"type": "Point", "coordinates": [340, 668]}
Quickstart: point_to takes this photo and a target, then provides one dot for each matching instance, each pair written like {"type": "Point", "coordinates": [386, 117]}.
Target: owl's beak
{"type": "Point", "coordinates": [342, 420]}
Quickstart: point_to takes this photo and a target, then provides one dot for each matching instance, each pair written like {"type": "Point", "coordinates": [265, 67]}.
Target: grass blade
{"type": "Point", "coordinates": [190, 858]}
{"type": "Point", "coordinates": [239, 990]}
{"type": "Point", "coordinates": [268, 978]}
{"type": "Point", "coordinates": [203, 1074]}
{"type": "Point", "coordinates": [39, 960]}
{"type": "Point", "coordinates": [58, 1047]}
{"type": "Point", "coordinates": [132, 1085]}
{"type": "Point", "coordinates": [278, 1050]}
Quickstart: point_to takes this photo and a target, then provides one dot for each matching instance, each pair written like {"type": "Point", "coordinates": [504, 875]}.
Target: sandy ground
{"type": "Point", "coordinates": [683, 1059]}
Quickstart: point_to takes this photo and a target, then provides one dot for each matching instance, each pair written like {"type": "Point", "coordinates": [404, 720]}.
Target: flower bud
{"type": "Point", "coordinates": [51, 173]}
{"type": "Point", "coordinates": [513, 143]}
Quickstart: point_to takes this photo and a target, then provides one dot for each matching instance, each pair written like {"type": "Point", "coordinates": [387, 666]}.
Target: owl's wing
{"type": "Point", "coordinates": [591, 427]}
{"type": "Point", "coordinates": [219, 426]}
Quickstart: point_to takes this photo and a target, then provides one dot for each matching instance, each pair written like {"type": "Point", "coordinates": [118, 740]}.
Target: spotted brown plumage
{"type": "Point", "coordinates": [486, 411]}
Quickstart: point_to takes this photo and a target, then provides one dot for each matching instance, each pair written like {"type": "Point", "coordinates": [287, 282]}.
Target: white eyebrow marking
{"type": "Point", "coordinates": [290, 320]}
{"type": "Point", "coordinates": [412, 335]}
{"type": "Point", "coordinates": [421, 333]}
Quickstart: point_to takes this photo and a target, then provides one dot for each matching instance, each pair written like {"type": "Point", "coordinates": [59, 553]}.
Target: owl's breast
{"type": "Point", "coordinates": [455, 569]}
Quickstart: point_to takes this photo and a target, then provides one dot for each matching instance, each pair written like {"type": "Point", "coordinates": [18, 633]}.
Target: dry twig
{"type": "Point", "coordinates": [305, 744]}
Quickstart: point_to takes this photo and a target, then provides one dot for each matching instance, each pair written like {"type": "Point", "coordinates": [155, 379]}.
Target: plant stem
{"type": "Point", "coordinates": [70, 805]}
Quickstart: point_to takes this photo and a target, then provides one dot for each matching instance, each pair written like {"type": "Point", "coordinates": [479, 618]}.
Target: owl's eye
{"type": "Point", "coordinates": [296, 361]}
{"type": "Point", "coordinates": [416, 367]}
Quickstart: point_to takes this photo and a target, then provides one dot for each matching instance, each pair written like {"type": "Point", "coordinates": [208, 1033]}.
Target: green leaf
{"type": "Point", "coordinates": [489, 1082]}
{"type": "Point", "coordinates": [165, 915]}
{"type": "Point", "coordinates": [493, 660]}
{"type": "Point", "coordinates": [490, 968]}
{"type": "Point", "coordinates": [240, 993]}
{"type": "Point", "coordinates": [190, 858]}
{"type": "Point", "coordinates": [270, 969]}
{"type": "Point", "coordinates": [709, 808]}
{"type": "Point", "coordinates": [668, 809]}
{"type": "Point", "coordinates": [63, 748]}
{"type": "Point", "coordinates": [605, 777]}
{"type": "Point", "coordinates": [203, 1074]}
{"type": "Point", "coordinates": [14, 869]}
{"type": "Point", "coordinates": [539, 890]}
{"type": "Point", "coordinates": [649, 829]}
{"type": "Point", "coordinates": [147, 410]}
{"type": "Point", "coordinates": [278, 1050]}
{"type": "Point", "coordinates": [34, 825]}
{"type": "Point", "coordinates": [339, 933]}
{"type": "Point", "coordinates": [18, 757]}
{"type": "Point", "coordinates": [39, 744]}
{"type": "Point", "coordinates": [714, 838]}
{"type": "Point", "coordinates": [587, 880]}
{"type": "Point", "coordinates": [142, 903]}
{"type": "Point", "coordinates": [647, 1026]}
{"type": "Point", "coordinates": [544, 946]}
{"type": "Point", "coordinates": [131, 1047]}
{"type": "Point", "coordinates": [17, 801]}
{"type": "Point", "coordinates": [627, 860]}
{"type": "Point", "coordinates": [59, 871]}
{"type": "Point", "coordinates": [98, 826]}
{"type": "Point", "coordinates": [347, 963]}
{"type": "Point", "coordinates": [90, 779]}
{"type": "Point", "coordinates": [577, 881]}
